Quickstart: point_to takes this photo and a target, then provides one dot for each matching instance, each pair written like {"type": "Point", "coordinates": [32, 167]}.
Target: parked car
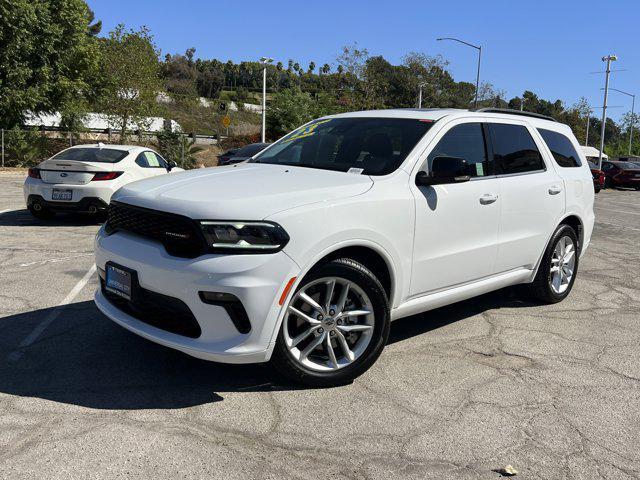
{"type": "Point", "coordinates": [83, 178]}
{"type": "Point", "coordinates": [304, 255]}
{"type": "Point", "coordinates": [621, 174]}
{"type": "Point", "coordinates": [592, 155]}
{"type": "Point", "coordinates": [237, 155]}
{"type": "Point", "coordinates": [598, 177]}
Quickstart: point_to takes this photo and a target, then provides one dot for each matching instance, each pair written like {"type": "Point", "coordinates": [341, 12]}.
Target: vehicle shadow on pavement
{"type": "Point", "coordinates": [84, 359]}
{"type": "Point", "coordinates": [22, 218]}
{"type": "Point", "coordinates": [404, 328]}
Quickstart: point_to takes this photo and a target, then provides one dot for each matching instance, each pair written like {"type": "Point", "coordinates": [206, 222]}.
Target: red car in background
{"type": "Point", "coordinates": [598, 177]}
{"type": "Point", "coordinates": [621, 174]}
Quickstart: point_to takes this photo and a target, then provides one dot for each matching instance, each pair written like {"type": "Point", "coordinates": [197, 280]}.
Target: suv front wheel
{"type": "Point", "coordinates": [335, 326]}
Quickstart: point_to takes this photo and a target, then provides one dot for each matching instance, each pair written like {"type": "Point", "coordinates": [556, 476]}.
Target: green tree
{"type": "Point", "coordinates": [47, 57]}
{"type": "Point", "coordinates": [131, 77]}
{"type": "Point", "coordinates": [24, 148]}
{"type": "Point", "coordinates": [94, 28]}
{"type": "Point", "coordinates": [352, 59]}
{"type": "Point", "coordinates": [292, 107]}
{"type": "Point", "coordinates": [178, 148]}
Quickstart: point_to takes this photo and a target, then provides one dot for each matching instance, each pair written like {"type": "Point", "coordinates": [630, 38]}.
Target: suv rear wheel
{"type": "Point", "coordinates": [559, 267]}
{"type": "Point", "coordinates": [335, 326]}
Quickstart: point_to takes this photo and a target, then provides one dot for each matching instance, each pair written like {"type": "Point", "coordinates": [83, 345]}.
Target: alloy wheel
{"type": "Point", "coordinates": [328, 324]}
{"type": "Point", "coordinates": [563, 264]}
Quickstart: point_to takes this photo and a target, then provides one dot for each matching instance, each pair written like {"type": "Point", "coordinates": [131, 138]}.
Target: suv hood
{"type": "Point", "coordinates": [250, 191]}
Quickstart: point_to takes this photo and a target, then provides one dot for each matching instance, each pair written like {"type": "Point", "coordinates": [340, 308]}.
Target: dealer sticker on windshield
{"type": "Point", "coordinates": [305, 131]}
{"type": "Point", "coordinates": [355, 170]}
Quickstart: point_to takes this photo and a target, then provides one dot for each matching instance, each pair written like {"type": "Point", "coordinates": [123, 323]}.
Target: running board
{"type": "Point", "coordinates": [459, 293]}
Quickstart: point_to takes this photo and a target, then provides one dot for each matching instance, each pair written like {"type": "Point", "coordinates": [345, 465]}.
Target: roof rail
{"type": "Point", "coordinates": [510, 111]}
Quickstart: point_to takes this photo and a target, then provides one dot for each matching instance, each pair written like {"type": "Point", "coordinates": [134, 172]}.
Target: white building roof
{"type": "Point", "coordinates": [592, 152]}
{"type": "Point", "coordinates": [100, 121]}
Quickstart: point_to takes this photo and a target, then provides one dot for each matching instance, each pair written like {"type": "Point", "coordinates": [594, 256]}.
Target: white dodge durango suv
{"type": "Point", "coordinates": [303, 255]}
{"type": "Point", "coordinates": [83, 178]}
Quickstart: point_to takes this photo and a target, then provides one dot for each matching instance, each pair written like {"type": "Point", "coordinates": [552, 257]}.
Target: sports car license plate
{"type": "Point", "coordinates": [65, 194]}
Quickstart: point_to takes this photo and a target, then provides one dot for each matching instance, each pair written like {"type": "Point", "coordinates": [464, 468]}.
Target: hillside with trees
{"type": "Point", "coordinates": [56, 59]}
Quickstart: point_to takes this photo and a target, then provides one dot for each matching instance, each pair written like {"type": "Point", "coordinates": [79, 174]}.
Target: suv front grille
{"type": "Point", "coordinates": [180, 235]}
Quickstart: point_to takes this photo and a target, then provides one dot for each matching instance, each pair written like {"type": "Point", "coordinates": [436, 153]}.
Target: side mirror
{"type": "Point", "coordinates": [444, 170]}
{"type": "Point", "coordinates": [171, 165]}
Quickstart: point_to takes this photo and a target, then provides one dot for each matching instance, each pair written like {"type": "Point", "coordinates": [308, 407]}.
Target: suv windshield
{"type": "Point", "coordinates": [101, 155]}
{"type": "Point", "coordinates": [373, 146]}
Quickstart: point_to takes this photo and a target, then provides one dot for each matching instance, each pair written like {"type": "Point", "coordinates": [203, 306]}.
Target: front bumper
{"type": "Point", "coordinates": [256, 280]}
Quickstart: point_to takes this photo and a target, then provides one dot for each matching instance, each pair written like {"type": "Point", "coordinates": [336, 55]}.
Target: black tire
{"type": "Point", "coordinates": [350, 270]}
{"type": "Point", "coordinates": [42, 214]}
{"type": "Point", "coordinates": [540, 289]}
{"type": "Point", "coordinates": [608, 183]}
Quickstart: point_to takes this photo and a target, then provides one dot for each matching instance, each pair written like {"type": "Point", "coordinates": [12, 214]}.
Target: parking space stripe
{"type": "Point", "coordinates": [616, 225]}
{"type": "Point", "coordinates": [49, 319]}
{"type": "Point", "coordinates": [618, 211]}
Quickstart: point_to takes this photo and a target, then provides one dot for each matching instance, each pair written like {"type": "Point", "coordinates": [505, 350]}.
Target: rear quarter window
{"type": "Point", "coordinates": [561, 148]}
{"type": "Point", "coordinates": [514, 150]}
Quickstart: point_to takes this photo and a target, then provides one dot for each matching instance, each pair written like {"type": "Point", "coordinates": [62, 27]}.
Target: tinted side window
{"type": "Point", "coordinates": [150, 160]}
{"type": "Point", "coordinates": [161, 161]}
{"type": "Point", "coordinates": [464, 141]}
{"type": "Point", "coordinates": [141, 160]}
{"type": "Point", "coordinates": [514, 150]}
{"type": "Point", "coordinates": [561, 148]}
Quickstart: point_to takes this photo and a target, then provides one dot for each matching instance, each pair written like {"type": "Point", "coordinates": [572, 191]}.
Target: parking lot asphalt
{"type": "Point", "coordinates": [458, 393]}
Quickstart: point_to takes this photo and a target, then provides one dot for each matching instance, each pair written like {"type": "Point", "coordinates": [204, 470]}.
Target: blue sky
{"type": "Point", "coordinates": [549, 47]}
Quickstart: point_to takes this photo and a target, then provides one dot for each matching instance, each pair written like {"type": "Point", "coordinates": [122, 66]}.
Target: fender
{"type": "Point", "coordinates": [395, 290]}
{"type": "Point", "coordinates": [546, 245]}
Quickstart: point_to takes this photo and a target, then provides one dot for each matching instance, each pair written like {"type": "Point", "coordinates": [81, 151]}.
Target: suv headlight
{"type": "Point", "coordinates": [244, 237]}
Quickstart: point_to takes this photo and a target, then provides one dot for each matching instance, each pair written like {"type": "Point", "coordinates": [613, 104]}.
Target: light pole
{"type": "Point", "coordinates": [608, 59]}
{"type": "Point", "coordinates": [423, 84]}
{"type": "Point", "coordinates": [477, 47]}
{"type": "Point", "coordinates": [633, 106]}
{"type": "Point", "coordinates": [264, 61]}
{"type": "Point", "coordinates": [586, 137]}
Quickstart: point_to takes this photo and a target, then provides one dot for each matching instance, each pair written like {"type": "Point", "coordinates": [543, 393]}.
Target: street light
{"type": "Point", "coordinates": [633, 105]}
{"type": "Point", "coordinates": [423, 84]}
{"type": "Point", "coordinates": [477, 47]}
{"type": "Point", "coordinates": [608, 59]}
{"type": "Point", "coordinates": [586, 137]}
{"type": "Point", "coordinates": [264, 61]}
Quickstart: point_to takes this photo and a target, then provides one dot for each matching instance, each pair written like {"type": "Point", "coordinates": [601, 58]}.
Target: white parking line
{"type": "Point", "coordinates": [616, 225]}
{"type": "Point", "coordinates": [55, 260]}
{"type": "Point", "coordinates": [622, 204]}
{"type": "Point", "coordinates": [618, 211]}
{"type": "Point", "coordinates": [48, 320]}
